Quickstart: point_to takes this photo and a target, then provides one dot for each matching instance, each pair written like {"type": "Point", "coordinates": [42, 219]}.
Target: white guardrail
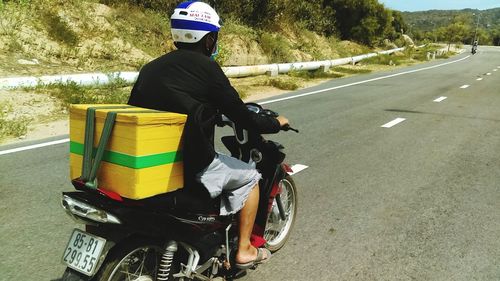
{"type": "Point", "coordinates": [232, 72]}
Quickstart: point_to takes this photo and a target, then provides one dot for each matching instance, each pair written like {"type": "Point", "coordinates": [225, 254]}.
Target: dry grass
{"type": "Point", "coordinates": [117, 91]}
{"type": "Point", "coordinates": [10, 127]}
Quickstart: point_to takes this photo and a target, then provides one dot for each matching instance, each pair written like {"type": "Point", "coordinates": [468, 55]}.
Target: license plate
{"type": "Point", "coordinates": [83, 252]}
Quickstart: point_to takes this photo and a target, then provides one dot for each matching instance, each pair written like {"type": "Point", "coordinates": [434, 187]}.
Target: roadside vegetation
{"type": "Point", "coordinates": [69, 93]}
{"type": "Point", "coordinates": [455, 26]}
{"type": "Point", "coordinates": [43, 37]}
{"type": "Point", "coordinates": [9, 126]}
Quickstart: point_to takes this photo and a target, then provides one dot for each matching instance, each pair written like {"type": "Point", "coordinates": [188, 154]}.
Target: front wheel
{"type": "Point", "coordinates": [277, 230]}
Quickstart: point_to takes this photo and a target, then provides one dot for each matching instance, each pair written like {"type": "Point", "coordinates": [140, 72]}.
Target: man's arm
{"type": "Point", "coordinates": [227, 100]}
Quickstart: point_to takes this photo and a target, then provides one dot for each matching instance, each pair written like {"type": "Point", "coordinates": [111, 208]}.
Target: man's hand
{"type": "Point", "coordinates": [283, 120]}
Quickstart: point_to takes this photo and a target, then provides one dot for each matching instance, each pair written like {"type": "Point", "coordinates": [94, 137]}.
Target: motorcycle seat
{"type": "Point", "coordinates": [181, 201]}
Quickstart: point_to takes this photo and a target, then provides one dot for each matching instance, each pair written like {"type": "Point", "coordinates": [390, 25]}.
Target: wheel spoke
{"type": "Point", "coordinates": [141, 266]}
{"type": "Point", "coordinates": [135, 265]}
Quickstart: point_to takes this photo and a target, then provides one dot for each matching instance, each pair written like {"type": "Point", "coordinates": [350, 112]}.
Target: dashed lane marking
{"type": "Point", "coordinates": [393, 123]}
{"type": "Point", "coordinates": [465, 87]}
{"type": "Point", "coordinates": [440, 99]}
{"type": "Point", "coordinates": [489, 73]}
{"type": "Point", "coordinates": [479, 79]}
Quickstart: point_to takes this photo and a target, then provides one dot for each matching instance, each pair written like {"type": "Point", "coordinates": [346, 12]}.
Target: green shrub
{"type": "Point", "coordinates": [282, 84]}
{"type": "Point", "coordinates": [166, 6]}
{"type": "Point", "coordinates": [13, 14]}
{"type": "Point", "coordinates": [117, 91]}
{"type": "Point", "coordinates": [14, 45]}
{"type": "Point", "coordinates": [58, 29]}
{"type": "Point", "coordinates": [384, 60]}
{"type": "Point", "coordinates": [309, 45]}
{"type": "Point", "coordinates": [234, 26]}
{"type": "Point", "coordinates": [314, 74]}
{"type": "Point", "coordinates": [276, 47]}
{"type": "Point", "coordinates": [149, 32]}
{"type": "Point", "coordinates": [348, 70]}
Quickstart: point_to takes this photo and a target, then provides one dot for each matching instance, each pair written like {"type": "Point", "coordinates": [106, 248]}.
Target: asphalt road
{"type": "Point", "coordinates": [417, 201]}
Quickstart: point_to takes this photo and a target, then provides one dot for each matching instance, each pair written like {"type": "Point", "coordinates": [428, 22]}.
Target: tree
{"type": "Point", "coordinates": [255, 12]}
{"type": "Point", "coordinates": [454, 33]}
{"type": "Point", "coordinates": [365, 21]}
{"type": "Point", "coordinates": [314, 15]}
{"type": "Point", "coordinates": [398, 23]}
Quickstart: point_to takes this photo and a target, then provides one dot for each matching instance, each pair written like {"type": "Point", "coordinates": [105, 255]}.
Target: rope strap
{"type": "Point", "coordinates": [91, 165]}
{"type": "Point", "coordinates": [89, 138]}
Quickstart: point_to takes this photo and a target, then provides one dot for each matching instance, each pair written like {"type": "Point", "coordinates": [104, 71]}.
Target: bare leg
{"type": "Point", "coordinates": [246, 252]}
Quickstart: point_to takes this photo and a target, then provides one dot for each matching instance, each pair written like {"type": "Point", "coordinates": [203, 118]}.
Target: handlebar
{"type": "Point", "coordinates": [274, 114]}
{"type": "Point", "coordinates": [223, 121]}
{"type": "Point", "coordinates": [288, 128]}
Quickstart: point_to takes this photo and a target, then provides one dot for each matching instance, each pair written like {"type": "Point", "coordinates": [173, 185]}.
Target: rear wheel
{"type": "Point", "coordinates": [277, 230]}
{"type": "Point", "coordinates": [71, 275]}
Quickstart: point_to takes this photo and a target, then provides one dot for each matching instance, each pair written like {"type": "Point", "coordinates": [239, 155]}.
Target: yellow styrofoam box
{"type": "Point", "coordinates": [143, 156]}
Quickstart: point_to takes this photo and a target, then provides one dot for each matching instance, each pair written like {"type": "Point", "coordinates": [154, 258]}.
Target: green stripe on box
{"type": "Point", "coordinates": [134, 162]}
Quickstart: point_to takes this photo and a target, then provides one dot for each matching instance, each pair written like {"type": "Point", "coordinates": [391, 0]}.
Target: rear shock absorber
{"type": "Point", "coordinates": [166, 261]}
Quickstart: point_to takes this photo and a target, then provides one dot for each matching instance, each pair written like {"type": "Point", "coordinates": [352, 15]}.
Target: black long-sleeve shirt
{"type": "Point", "coordinates": [188, 82]}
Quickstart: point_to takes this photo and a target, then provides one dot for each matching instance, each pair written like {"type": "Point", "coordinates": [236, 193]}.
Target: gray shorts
{"type": "Point", "coordinates": [230, 178]}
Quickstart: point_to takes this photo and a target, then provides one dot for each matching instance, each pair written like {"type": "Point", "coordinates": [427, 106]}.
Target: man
{"type": "Point", "coordinates": [188, 81]}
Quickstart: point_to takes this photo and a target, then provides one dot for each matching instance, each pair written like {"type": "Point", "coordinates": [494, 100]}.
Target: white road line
{"type": "Point", "coordinates": [283, 99]}
{"type": "Point", "coordinates": [479, 79]}
{"type": "Point", "coordinates": [440, 99]}
{"type": "Point", "coordinates": [297, 168]}
{"type": "Point", "coordinates": [361, 82]}
{"type": "Point", "coordinates": [465, 87]}
{"type": "Point", "coordinates": [8, 151]}
{"type": "Point", "coordinates": [488, 73]}
{"type": "Point", "coordinates": [495, 69]}
{"type": "Point", "coordinates": [393, 123]}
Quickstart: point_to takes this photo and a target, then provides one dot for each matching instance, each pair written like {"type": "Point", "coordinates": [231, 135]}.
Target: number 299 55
{"type": "Point", "coordinates": [82, 252]}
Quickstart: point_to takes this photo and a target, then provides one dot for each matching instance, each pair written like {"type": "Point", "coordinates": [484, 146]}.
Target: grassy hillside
{"type": "Point", "coordinates": [67, 36]}
{"type": "Point", "coordinates": [42, 37]}
{"type": "Point", "coordinates": [432, 24]}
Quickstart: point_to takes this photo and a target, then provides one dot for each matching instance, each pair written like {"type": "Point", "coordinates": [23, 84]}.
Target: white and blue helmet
{"type": "Point", "coordinates": [192, 20]}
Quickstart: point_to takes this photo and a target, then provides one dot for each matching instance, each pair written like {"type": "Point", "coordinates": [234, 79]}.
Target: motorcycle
{"type": "Point", "coordinates": [474, 49]}
{"type": "Point", "coordinates": [175, 236]}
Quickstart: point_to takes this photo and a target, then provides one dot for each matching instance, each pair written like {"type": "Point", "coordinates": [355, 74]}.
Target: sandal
{"type": "Point", "coordinates": [261, 252]}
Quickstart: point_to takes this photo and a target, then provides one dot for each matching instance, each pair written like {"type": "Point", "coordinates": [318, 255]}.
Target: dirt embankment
{"type": "Point", "coordinates": [56, 37]}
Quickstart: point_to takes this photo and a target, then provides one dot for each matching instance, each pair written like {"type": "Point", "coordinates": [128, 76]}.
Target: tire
{"type": "Point", "coordinates": [71, 275]}
{"type": "Point", "coordinates": [132, 260]}
{"type": "Point", "coordinates": [277, 230]}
